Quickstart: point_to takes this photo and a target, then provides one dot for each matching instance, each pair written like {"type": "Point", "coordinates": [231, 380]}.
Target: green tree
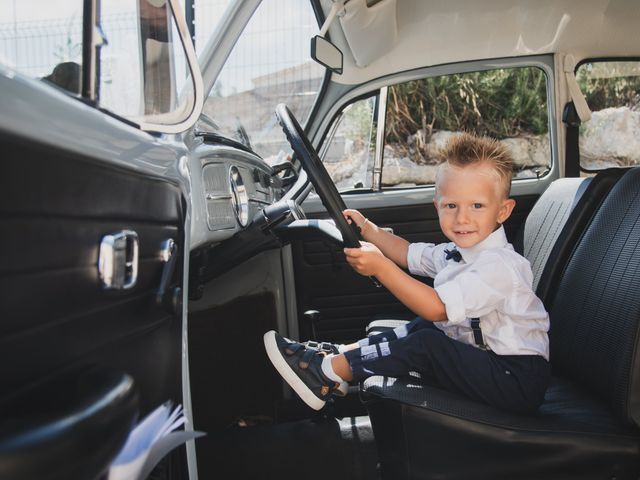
{"type": "Point", "coordinates": [500, 103]}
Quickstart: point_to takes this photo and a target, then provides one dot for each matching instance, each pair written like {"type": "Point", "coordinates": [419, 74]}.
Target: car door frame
{"type": "Point", "coordinates": [335, 97]}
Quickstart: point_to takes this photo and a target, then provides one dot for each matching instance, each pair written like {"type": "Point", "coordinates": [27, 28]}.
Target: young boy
{"type": "Point", "coordinates": [481, 330]}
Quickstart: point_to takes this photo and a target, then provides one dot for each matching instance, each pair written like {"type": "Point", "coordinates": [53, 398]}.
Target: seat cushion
{"type": "Point", "coordinates": [418, 427]}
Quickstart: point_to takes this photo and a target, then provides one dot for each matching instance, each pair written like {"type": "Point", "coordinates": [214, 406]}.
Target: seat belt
{"type": "Point", "coordinates": [477, 334]}
{"type": "Point", "coordinates": [572, 140]}
{"type": "Point", "coordinates": [575, 112]}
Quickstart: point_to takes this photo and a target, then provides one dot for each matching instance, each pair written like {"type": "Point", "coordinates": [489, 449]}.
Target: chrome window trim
{"type": "Point", "coordinates": [376, 181]}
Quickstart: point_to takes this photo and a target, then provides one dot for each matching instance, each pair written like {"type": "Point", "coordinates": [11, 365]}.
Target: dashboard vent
{"type": "Point", "coordinates": [215, 179]}
{"type": "Point", "coordinates": [220, 214]}
{"type": "Point", "coordinates": [217, 191]}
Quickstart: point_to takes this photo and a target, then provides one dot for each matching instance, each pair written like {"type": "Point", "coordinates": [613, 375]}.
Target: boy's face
{"type": "Point", "coordinates": [470, 203]}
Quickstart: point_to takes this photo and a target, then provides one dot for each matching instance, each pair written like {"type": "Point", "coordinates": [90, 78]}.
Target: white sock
{"type": "Point", "coordinates": [327, 369]}
{"type": "Point", "coordinates": [342, 348]}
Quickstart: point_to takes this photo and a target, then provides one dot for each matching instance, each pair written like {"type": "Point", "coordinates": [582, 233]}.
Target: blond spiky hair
{"type": "Point", "coordinates": [467, 149]}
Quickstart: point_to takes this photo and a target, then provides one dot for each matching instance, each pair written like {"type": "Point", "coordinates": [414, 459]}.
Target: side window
{"type": "Point", "coordinates": [507, 104]}
{"type": "Point", "coordinates": [612, 90]}
{"type": "Point", "coordinates": [144, 67]}
{"type": "Point", "coordinates": [350, 149]}
{"type": "Point", "coordinates": [44, 43]}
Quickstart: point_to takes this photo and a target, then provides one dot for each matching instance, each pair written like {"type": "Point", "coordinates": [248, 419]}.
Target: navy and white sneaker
{"type": "Point", "coordinates": [301, 367]}
{"type": "Point", "coordinates": [329, 349]}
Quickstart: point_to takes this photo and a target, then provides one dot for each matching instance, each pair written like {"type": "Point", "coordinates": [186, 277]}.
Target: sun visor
{"type": "Point", "coordinates": [371, 31]}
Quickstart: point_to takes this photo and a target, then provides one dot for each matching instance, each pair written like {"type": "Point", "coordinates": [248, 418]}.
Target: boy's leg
{"type": "Point", "coordinates": [402, 331]}
{"type": "Point", "coordinates": [387, 336]}
{"type": "Point", "coordinates": [515, 383]}
{"type": "Point", "coordinates": [311, 373]}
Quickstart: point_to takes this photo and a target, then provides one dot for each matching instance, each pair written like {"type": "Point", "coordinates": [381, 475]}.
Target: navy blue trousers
{"type": "Point", "coordinates": [511, 382]}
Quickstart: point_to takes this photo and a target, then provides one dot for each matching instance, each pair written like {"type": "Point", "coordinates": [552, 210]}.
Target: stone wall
{"type": "Point", "coordinates": [610, 138]}
{"type": "Point", "coordinates": [530, 153]}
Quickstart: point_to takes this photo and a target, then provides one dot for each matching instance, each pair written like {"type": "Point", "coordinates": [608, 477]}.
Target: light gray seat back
{"type": "Point", "coordinates": [546, 220]}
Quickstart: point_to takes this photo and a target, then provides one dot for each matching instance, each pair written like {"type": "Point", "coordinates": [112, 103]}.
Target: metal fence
{"type": "Point", "coordinates": [34, 48]}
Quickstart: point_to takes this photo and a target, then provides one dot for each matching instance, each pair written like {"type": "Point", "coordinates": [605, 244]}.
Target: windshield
{"type": "Point", "coordinates": [269, 64]}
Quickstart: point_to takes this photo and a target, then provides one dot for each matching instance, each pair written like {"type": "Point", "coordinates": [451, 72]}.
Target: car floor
{"type": "Point", "coordinates": [316, 447]}
{"type": "Point", "coordinates": [256, 427]}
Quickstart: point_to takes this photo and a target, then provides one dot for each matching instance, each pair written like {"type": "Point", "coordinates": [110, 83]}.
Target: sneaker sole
{"type": "Point", "coordinates": [288, 374]}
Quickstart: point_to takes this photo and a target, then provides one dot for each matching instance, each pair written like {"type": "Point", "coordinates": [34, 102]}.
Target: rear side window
{"type": "Point", "coordinates": [612, 90]}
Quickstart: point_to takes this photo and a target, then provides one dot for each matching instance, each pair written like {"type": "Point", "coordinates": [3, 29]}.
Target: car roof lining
{"type": "Point", "coordinates": [435, 32]}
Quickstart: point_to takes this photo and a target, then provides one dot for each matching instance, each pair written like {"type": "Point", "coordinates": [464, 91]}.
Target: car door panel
{"type": "Point", "coordinates": [60, 328]}
{"type": "Point", "coordinates": [58, 207]}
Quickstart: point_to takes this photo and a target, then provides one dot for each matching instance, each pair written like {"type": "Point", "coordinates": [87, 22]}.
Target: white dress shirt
{"type": "Point", "coordinates": [491, 282]}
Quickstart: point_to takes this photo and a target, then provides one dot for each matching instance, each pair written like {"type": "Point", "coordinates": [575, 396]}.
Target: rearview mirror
{"type": "Point", "coordinates": [326, 53]}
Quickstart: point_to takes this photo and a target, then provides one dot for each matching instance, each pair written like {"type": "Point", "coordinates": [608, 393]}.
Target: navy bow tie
{"type": "Point", "coordinates": [453, 254]}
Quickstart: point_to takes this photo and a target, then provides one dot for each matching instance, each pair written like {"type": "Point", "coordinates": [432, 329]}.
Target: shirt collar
{"type": "Point", "coordinates": [497, 239]}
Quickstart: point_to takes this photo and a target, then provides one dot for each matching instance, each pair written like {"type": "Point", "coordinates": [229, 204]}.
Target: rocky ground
{"type": "Point", "coordinates": [609, 139]}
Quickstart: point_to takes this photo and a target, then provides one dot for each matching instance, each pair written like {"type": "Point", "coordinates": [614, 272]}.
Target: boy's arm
{"type": "Point", "coordinates": [392, 246]}
{"type": "Point", "coordinates": [421, 299]}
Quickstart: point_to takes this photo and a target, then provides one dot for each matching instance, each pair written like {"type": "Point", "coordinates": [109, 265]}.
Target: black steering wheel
{"type": "Point", "coordinates": [318, 175]}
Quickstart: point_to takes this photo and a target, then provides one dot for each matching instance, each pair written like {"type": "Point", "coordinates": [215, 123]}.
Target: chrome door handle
{"type": "Point", "coordinates": [118, 260]}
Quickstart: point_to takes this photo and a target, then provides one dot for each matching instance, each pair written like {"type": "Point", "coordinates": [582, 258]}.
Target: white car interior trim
{"type": "Point", "coordinates": [371, 31]}
{"type": "Point", "coordinates": [493, 29]}
{"type": "Point", "coordinates": [579, 101]}
{"type": "Point", "coordinates": [337, 7]}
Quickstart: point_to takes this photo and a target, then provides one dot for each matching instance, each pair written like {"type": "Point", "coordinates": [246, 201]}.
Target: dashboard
{"type": "Point", "coordinates": [230, 187]}
{"type": "Point", "coordinates": [237, 205]}
{"type": "Point", "coordinates": [239, 209]}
